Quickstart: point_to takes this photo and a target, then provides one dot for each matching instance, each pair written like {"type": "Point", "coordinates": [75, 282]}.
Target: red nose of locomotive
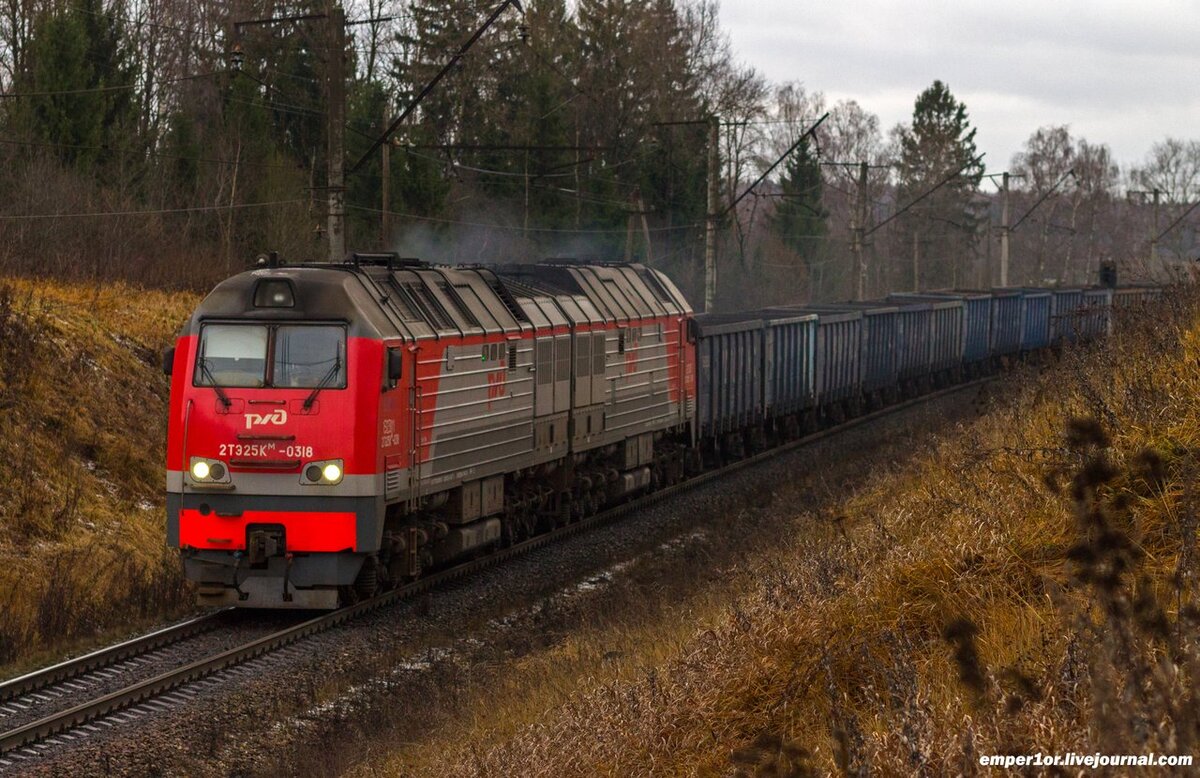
{"type": "Point", "coordinates": [271, 491]}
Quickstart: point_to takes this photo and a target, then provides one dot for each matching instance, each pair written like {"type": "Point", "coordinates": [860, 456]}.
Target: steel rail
{"type": "Point", "coordinates": [82, 714]}
{"type": "Point", "coordinates": [101, 658]}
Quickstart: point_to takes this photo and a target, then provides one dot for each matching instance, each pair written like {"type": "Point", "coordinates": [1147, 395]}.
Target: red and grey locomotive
{"type": "Point", "coordinates": [337, 428]}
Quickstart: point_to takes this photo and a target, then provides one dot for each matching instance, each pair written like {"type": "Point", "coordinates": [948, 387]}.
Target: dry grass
{"type": "Point", "coordinates": [82, 431]}
{"type": "Point", "coordinates": [1029, 586]}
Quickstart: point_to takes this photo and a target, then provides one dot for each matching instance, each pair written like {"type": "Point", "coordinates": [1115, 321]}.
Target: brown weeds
{"type": "Point", "coordinates": [82, 429]}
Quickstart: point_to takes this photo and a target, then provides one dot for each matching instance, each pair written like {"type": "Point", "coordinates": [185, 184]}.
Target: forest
{"type": "Point", "coordinates": [168, 143]}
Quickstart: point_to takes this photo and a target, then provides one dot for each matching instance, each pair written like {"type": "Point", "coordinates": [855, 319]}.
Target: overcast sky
{"type": "Point", "coordinates": [1122, 73]}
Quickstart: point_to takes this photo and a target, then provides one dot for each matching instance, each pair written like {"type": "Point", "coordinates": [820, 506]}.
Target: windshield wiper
{"type": "Point", "coordinates": [207, 371]}
{"type": "Point", "coordinates": [333, 371]}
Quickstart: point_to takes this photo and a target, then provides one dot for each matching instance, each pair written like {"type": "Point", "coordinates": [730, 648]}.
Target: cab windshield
{"type": "Point", "coordinates": [293, 356]}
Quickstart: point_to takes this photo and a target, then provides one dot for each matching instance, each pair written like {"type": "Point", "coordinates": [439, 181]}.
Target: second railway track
{"type": "Point", "coordinates": [77, 707]}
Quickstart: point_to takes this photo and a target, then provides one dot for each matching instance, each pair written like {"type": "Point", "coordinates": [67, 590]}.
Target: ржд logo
{"type": "Point", "coordinates": [277, 418]}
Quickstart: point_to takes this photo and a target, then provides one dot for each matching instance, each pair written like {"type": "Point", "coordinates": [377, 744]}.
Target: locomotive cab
{"type": "Point", "coordinates": [271, 485]}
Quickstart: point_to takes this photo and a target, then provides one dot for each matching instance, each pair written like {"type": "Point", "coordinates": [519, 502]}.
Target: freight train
{"type": "Point", "coordinates": [337, 429]}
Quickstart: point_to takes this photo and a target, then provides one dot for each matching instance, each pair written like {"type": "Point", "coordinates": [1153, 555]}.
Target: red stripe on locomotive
{"type": "Point", "coordinates": [307, 531]}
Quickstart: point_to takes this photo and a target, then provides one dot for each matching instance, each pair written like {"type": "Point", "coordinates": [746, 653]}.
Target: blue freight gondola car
{"type": "Point", "coordinates": [1036, 305]}
{"type": "Point", "coordinates": [766, 376]}
{"type": "Point", "coordinates": [1094, 319]}
{"type": "Point", "coordinates": [839, 357]}
{"type": "Point", "coordinates": [915, 351]}
{"type": "Point", "coordinates": [967, 313]}
{"type": "Point", "coordinates": [1008, 322]}
{"type": "Point", "coordinates": [790, 356]}
{"type": "Point", "coordinates": [947, 335]}
{"type": "Point", "coordinates": [879, 341]}
{"type": "Point", "coordinates": [729, 350]}
{"type": "Point", "coordinates": [1065, 304]}
{"type": "Point", "coordinates": [1126, 297]}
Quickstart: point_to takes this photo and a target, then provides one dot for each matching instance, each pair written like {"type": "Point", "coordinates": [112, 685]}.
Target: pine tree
{"type": "Point", "coordinates": [78, 74]}
{"type": "Point", "coordinates": [531, 107]}
{"type": "Point", "coordinates": [939, 144]}
{"type": "Point", "coordinates": [453, 114]}
{"type": "Point", "coordinates": [801, 219]}
{"type": "Point", "coordinates": [636, 68]}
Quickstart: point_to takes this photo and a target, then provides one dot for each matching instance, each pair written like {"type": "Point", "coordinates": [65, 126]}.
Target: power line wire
{"type": "Point", "coordinates": [515, 228]}
{"type": "Point", "coordinates": [775, 164]}
{"type": "Point", "coordinates": [148, 152]}
{"type": "Point", "coordinates": [191, 209]}
{"type": "Point", "coordinates": [1042, 199]}
{"type": "Point", "coordinates": [1176, 223]}
{"type": "Point", "coordinates": [429, 87]}
{"type": "Point", "coordinates": [939, 185]}
{"type": "Point", "coordinates": [97, 89]}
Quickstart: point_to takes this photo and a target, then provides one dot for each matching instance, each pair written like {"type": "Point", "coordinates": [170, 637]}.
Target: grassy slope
{"type": "Point", "coordinates": [1029, 586]}
{"type": "Point", "coordinates": [82, 428]}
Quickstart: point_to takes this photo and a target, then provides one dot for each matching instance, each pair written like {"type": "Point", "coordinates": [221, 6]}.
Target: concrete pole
{"type": "Point", "coordinates": [1157, 194]}
{"type": "Point", "coordinates": [1004, 230]}
{"type": "Point", "coordinates": [336, 131]}
{"type": "Point", "coordinates": [916, 262]}
{"type": "Point", "coordinates": [385, 238]}
{"type": "Point", "coordinates": [710, 233]}
{"type": "Point", "coordinates": [641, 205]}
{"type": "Point", "coordinates": [857, 228]}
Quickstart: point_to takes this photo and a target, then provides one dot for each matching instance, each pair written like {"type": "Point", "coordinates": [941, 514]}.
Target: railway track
{"type": "Point", "coordinates": [93, 713]}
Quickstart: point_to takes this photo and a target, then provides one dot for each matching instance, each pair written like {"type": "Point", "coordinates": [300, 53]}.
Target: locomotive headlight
{"type": "Point", "coordinates": [208, 471]}
{"type": "Point", "coordinates": [324, 473]}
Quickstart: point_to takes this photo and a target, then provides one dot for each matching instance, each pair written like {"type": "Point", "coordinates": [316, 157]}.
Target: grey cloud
{"type": "Point", "coordinates": [1117, 73]}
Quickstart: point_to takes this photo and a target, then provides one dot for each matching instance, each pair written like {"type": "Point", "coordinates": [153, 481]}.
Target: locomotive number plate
{"type": "Point", "coordinates": [248, 449]}
{"type": "Point", "coordinates": [292, 451]}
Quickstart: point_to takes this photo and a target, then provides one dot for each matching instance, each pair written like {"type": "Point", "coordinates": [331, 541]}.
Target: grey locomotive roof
{"type": "Point", "coordinates": [618, 292]}
{"type": "Point", "coordinates": [388, 297]}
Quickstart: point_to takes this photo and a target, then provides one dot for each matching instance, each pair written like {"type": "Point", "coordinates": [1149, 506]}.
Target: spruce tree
{"type": "Point", "coordinates": [939, 144]}
{"type": "Point", "coordinates": [78, 70]}
{"type": "Point", "coordinates": [801, 219]}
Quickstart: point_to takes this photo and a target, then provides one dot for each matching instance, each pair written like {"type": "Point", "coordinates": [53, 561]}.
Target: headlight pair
{"type": "Point", "coordinates": [214, 471]}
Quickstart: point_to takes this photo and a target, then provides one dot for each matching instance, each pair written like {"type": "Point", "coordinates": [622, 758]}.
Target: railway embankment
{"type": "Point", "coordinates": [82, 418]}
{"type": "Point", "coordinates": [1027, 584]}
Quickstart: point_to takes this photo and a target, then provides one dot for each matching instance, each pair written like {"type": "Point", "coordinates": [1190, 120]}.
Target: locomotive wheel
{"type": "Point", "coordinates": [366, 585]}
